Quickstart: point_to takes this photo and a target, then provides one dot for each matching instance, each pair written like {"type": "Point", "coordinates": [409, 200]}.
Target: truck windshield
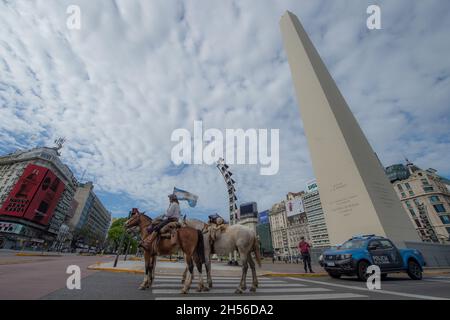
{"type": "Point", "coordinates": [353, 244]}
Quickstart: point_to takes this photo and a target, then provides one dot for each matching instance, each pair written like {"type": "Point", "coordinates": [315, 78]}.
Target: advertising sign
{"type": "Point", "coordinates": [311, 186]}
{"type": "Point", "coordinates": [263, 217]}
{"type": "Point", "coordinates": [294, 207]}
{"type": "Point", "coordinates": [35, 195]}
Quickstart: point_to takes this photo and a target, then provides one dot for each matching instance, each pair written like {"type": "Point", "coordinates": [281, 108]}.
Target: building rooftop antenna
{"type": "Point", "coordinates": [59, 144]}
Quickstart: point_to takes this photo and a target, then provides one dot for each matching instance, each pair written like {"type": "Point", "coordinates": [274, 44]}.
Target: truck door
{"type": "Point", "coordinates": [385, 254]}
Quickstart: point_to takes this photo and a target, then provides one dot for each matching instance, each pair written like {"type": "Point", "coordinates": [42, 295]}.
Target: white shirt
{"type": "Point", "coordinates": [173, 211]}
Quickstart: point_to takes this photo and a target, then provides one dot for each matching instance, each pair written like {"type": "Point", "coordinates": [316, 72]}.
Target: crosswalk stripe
{"type": "Point", "coordinates": [228, 285]}
{"type": "Point", "coordinates": [319, 296]}
{"type": "Point", "coordinates": [217, 278]}
{"type": "Point", "coordinates": [216, 281]}
{"type": "Point", "coordinates": [259, 290]}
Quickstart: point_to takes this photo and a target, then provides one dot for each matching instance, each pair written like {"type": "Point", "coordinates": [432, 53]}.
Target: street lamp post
{"type": "Point", "coordinates": [119, 250]}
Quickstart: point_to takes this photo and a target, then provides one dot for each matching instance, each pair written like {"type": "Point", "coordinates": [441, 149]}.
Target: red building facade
{"type": "Point", "coordinates": [35, 195]}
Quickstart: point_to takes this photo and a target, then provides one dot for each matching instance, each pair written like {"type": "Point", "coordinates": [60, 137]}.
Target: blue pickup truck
{"type": "Point", "coordinates": [355, 255]}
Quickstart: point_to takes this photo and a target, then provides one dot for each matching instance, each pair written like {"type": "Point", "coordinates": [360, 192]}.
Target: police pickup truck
{"type": "Point", "coordinates": [355, 255]}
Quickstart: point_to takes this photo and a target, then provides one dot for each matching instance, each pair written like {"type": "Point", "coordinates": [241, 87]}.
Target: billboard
{"type": "Point", "coordinates": [35, 195]}
{"type": "Point", "coordinates": [248, 209]}
{"type": "Point", "coordinates": [263, 217]}
{"type": "Point", "coordinates": [294, 207]}
{"type": "Point", "coordinates": [311, 186]}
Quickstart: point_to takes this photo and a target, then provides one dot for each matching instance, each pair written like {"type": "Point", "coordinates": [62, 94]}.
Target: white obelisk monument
{"type": "Point", "coordinates": [356, 194]}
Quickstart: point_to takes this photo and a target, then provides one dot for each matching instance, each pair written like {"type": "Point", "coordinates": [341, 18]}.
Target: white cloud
{"type": "Point", "coordinates": [137, 70]}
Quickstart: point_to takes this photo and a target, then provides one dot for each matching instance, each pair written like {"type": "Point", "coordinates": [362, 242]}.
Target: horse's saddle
{"type": "Point", "coordinates": [169, 230]}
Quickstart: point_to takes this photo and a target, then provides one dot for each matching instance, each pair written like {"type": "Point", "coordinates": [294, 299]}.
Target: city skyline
{"type": "Point", "coordinates": [117, 89]}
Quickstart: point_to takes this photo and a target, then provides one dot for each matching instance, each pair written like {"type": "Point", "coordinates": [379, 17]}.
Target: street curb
{"type": "Point", "coordinates": [118, 270]}
{"type": "Point", "coordinates": [37, 255]}
{"type": "Point", "coordinates": [294, 275]}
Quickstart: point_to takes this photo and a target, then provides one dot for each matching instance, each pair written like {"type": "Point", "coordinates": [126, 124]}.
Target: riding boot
{"type": "Point", "coordinates": [147, 242]}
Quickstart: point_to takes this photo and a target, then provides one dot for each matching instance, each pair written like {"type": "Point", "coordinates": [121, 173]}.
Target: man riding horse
{"type": "Point", "coordinates": [172, 214]}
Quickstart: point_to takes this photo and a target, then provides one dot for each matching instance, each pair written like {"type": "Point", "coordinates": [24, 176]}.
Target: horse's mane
{"type": "Point", "coordinates": [147, 217]}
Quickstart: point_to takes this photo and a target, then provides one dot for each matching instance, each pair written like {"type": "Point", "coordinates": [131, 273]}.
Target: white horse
{"type": "Point", "coordinates": [234, 237]}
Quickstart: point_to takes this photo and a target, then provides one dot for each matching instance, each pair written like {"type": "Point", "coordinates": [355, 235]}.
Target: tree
{"type": "Point", "coordinates": [115, 234]}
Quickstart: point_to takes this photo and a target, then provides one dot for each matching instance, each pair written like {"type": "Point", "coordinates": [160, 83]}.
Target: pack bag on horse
{"type": "Point", "coordinates": [188, 239]}
{"type": "Point", "coordinates": [216, 225]}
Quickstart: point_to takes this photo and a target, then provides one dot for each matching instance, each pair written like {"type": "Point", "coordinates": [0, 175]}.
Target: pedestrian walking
{"type": "Point", "coordinates": [304, 248]}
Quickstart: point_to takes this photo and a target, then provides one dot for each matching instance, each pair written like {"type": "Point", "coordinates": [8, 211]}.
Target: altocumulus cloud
{"type": "Point", "coordinates": [137, 70]}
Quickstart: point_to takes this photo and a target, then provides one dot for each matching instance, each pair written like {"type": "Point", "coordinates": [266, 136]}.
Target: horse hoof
{"type": "Point", "coordinates": [142, 287]}
{"type": "Point", "coordinates": [253, 289]}
{"type": "Point", "coordinates": [183, 291]}
{"type": "Point", "coordinates": [239, 291]}
{"type": "Point", "coordinates": [205, 289]}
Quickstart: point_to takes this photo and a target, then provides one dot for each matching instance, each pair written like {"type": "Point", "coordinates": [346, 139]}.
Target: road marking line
{"type": "Point", "coordinates": [409, 295]}
{"type": "Point", "coordinates": [263, 290]}
{"type": "Point", "coordinates": [437, 280]}
{"type": "Point", "coordinates": [320, 296]}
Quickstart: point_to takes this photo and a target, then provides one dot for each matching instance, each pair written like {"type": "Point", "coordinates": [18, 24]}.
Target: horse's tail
{"type": "Point", "coordinates": [256, 251]}
{"type": "Point", "coordinates": [200, 248]}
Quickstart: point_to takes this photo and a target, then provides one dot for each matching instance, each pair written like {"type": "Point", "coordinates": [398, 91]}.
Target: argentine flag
{"type": "Point", "coordinates": [184, 195]}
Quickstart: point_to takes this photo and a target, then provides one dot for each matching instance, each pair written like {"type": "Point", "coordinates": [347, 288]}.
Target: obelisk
{"type": "Point", "coordinates": [356, 195]}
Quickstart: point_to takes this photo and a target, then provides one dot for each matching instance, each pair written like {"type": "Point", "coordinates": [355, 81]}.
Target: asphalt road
{"type": "Point", "coordinates": [106, 285]}
{"type": "Point", "coordinates": [32, 277]}
{"type": "Point", "coordinates": [45, 278]}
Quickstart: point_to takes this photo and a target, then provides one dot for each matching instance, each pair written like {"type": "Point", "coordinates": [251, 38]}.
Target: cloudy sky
{"type": "Point", "coordinates": [137, 70]}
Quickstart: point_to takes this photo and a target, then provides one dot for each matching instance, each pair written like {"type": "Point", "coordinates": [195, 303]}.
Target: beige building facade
{"type": "Point", "coordinates": [425, 197]}
{"type": "Point", "coordinates": [278, 228]}
{"type": "Point", "coordinates": [288, 223]}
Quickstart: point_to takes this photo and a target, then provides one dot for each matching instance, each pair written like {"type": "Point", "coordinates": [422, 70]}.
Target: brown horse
{"type": "Point", "coordinates": [188, 239]}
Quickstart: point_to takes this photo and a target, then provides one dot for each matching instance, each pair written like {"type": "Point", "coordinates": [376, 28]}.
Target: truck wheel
{"type": "Point", "coordinates": [362, 270]}
{"type": "Point", "coordinates": [414, 270]}
{"type": "Point", "coordinates": [334, 275]}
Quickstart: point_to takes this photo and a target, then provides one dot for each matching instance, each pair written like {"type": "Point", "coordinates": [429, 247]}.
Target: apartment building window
{"type": "Point", "coordinates": [428, 189]}
{"type": "Point", "coordinates": [439, 208]}
{"type": "Point", "coordinates": [399, 186]}
{"type": "Point", "coordinates": [403, 195]}
{"type": "Point", "coordinates": [445, 219]}
{"type": "Point", "coordinates": [407, 186]}
{"type": "Point", "coordinates": [417, 223]}
{"type": "Point", "coordinates": [434, 199]}
{"type": "Point", "coordinates": [408, 204]}
{"type": "Point", "coordinates": [411, 193]}
{"type": "Point", "coordinates": [412, 212]}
